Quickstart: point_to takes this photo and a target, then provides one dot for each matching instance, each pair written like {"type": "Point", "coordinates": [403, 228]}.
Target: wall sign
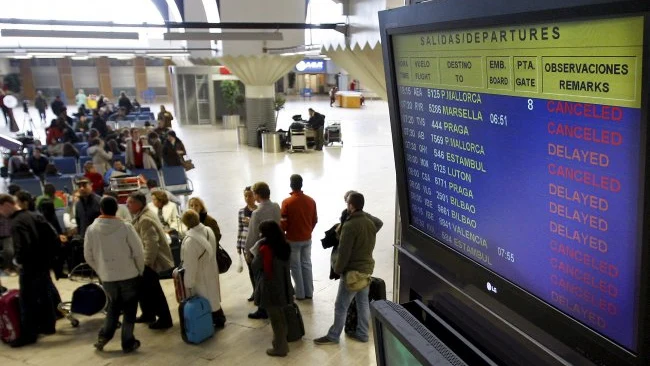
{"type": "Point", "coordinates": [311, 66]}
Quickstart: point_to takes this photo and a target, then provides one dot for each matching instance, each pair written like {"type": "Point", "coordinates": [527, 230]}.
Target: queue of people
{"type": "Point", "coordinates": [129, 250]}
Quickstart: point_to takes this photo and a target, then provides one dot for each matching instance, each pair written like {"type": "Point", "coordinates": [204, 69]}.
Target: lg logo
{"type": "Point", "coordinates": [491, 288]}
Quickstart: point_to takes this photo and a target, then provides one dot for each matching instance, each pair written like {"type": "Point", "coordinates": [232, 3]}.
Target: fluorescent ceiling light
{"type": "Point", "coordinates": [21, 57]}
{"type": "Point", "coordinates": [78, 58]}
{"type": "Point", "coordinates": [225, 36]}
{"type": "Point", "coordinates": [67, 34]}
{"type": "Point", "coordinates": [169, 54]}
{"type": "Point", "coordinates": [51, 54]}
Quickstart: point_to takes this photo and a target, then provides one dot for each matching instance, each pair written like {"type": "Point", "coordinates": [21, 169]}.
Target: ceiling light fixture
{"type": "Point", "coordinates": [67, 34]}
{"type": "Point", "coordinates": [51, 54]}
{"type": "Point", "coordinates": [224, 36]}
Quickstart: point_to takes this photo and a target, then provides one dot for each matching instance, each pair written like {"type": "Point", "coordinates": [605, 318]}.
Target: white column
{"type": "Point", "coordinates": [282, 11]}
{"type": "Point", "coordinates": [195, 12]}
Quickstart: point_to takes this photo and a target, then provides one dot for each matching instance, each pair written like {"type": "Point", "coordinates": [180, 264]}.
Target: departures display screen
{"type": "Point", "coordinates": [522, 149]}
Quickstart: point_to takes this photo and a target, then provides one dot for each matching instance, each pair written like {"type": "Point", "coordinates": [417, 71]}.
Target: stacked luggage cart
{"type": "Point", "coordinates": [124, 186]}
{"type": "Point", "coordinates": [297, 139]}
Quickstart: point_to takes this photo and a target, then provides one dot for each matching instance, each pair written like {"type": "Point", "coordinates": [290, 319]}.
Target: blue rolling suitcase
{"type": "Point", "coordinates": [195, 315]}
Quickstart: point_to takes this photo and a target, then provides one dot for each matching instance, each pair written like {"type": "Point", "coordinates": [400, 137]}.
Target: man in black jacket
{"type": "Point", "coordinates": [37, 162]}
{"type": "Point", "coordinates": [99, 124]}
{"type": "Point", "coordinates": [57, 106]}
{"type": "Point", "coordinates": [36, 287]}
{"type": "Point", "coordinates": [173, 150]}
{"type": "Point", "coordinates": [87, 208]}
{"type": "Point", "coordinates": [125, 102]}
{"type": "Point", "coordinates": [317, 122]}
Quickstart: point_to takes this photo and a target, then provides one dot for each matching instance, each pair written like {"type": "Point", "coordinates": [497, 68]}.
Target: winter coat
{"type": "Point", "coordinates": [210, 222]}
{"type": "Point", "coordinates": [166, 119]}
{"type": "Point", "coordinates": [86, 211]}
{"type": "Point", "coordinates": [100, 125]}
{"type": "Point", "coordinates": [157, 254]}
{"type": "Point", "coordinates": [28, 248]}
{"type": "Point", "coordinates": [113, 249]}
{"type": "Point", "coordinates": [102, 159]}
{"type": "Point", "coordinates": [170, 216]}
{"type": "Point", "coordinates": [157, 152]}
{"type": "Point", "coordinates": [275, 290]}
{"type": "Point", "coordinates": [200, 263]}
{"type": "Point", "coordinates": [40, 103]}
{"type": "Point", "coordinates": [356, 244]}
{"type": "Point", "coordinates": [170, 153]}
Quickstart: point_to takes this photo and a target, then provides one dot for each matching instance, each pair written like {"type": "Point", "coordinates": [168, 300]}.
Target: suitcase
{"type": "Point", "coordinates": [88, 299]}
{"type": "Point", "coordinates": [333, 134]}
{"type": "Point", "coordinates": [178, 276]}
{"type": "Point", "coordinates": [295, 326]}
{"type": "Point", "coordinates": [377, 292]}
{"type": "Point", "coordinates": [195, 315]}
{"type": "Point", "coordinates": [175, 247]}
{"type": "Point", "coordinates": [10, 316]}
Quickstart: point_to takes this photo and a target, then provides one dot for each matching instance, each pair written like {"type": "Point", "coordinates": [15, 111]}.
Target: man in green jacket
{"type": "Point", "coordinates": [355, 265]}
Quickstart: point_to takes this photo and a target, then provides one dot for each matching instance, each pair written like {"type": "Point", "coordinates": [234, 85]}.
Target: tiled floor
{"type": "Point", "coordinates": [365, 163]}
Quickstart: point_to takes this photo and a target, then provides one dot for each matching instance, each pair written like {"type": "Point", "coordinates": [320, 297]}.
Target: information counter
{"type": "Point", "coordinates": [348, 99]}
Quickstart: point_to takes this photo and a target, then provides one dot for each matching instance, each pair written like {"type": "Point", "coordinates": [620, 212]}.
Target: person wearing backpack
{"type": "Point", "coordinates": [33, 254]}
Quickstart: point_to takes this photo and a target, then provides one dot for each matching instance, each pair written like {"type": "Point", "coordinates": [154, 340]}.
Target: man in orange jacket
{"type": "Point", "coordinates": [298, 221]}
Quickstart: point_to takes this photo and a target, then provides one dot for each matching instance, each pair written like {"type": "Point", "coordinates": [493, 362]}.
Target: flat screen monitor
{"type": "Point", "coordinates": [520, 143]}
{"type": "Point", "coordinates": [404, 338]}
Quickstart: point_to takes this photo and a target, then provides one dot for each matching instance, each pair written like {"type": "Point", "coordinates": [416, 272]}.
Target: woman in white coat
{"type": "Point", "coordinates": [166, 211]}
{"type": "Point", "coordinates": [200, 263]}
{"type": "Point", "coordinates": [101, 158]}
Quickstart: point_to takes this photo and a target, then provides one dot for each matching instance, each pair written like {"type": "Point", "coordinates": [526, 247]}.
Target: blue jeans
{"type": "Point", "coordinates": [301, 268]}
{"type": "Point", "coordinates": [343, 300]}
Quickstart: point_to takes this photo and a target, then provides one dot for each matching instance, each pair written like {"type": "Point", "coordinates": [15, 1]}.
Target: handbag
{"type": "Point", "coordinates": [223, 259]}
{"type": "Point", "coordinates": [188, 165]}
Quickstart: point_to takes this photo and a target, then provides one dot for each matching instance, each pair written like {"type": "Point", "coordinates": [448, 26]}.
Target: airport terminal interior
{"type": "Point", "coordinates": [223, 169]}
{"type": "Point", "coordinates": [503, 144]}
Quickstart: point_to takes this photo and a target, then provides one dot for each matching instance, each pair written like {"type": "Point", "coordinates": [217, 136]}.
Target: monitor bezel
{"type": "Point", "coordinates": [458, 269]}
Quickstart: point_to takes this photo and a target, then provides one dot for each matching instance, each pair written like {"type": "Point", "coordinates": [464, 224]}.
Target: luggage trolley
{"type": "Point", "coordinates": [333, 133]}
{"type": "Point", "coordinates": [124, 186]}
{"type": "Point", "coordinates": [297, 135]}
{"type": "Point", "coordinates": [88, 299]}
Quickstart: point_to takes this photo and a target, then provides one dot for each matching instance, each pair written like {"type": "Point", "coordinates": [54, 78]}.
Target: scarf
{"type": "Point", "coordinates": [162, 218]}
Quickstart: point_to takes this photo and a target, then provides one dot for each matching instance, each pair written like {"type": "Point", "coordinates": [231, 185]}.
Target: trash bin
{"type": "Point", "coordinates": [242, 135]}
{"type": "Point", "coordinates": [260, 130]}
{"type": "Point", "coordinates": [271, 142]}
